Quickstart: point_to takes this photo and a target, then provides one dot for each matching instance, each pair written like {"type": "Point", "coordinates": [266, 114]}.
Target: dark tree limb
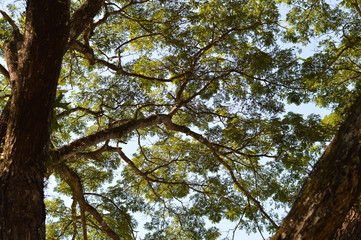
{"type": "Point", "coordinates": [74, 181]}
{"type": "Point", "coordinates": [81, 144]}
{"type": "Point", "coordinates": [4, 118]}
{"type": "Point", "coordinates": [4, 72]}
{"type": "Point", "coordinates": [11, 49]}
{"type": "Point", "coordinates": [74, 217]}
{"type": "Point", "coordinates": [76, 109]}
{"type": "Point", "coordinates": [83, 17]}
{"type": "Point", "coordinates": [11, 22]}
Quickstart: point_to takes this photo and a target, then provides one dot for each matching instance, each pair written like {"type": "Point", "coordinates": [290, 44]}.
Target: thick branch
{"type": "Point", "coordinates": [4, 72]}
{"type": "Point", "coordinates": [81, 144]}
{"type": "Point", "coordinates": [11, 22]}
{"type": "Point", "coordinates": [11, 48]}
{"type": "Point", "coordinates": [83, 17]}
{"type": "Point", "coordinates": [74, 217]}
{"type": "Point", "coordinates": [4, 118]}
{"type": "Point", "coordinates": [73, 180]}
{"type": "Point", "coordinates": [357, 7]}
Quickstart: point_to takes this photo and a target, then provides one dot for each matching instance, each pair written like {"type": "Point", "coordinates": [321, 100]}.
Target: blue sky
{"type": "Point", "coordinates": [305, 109]}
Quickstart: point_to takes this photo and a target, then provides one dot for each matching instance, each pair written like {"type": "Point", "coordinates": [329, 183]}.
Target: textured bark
{"type": "Point", "coordinates": [332, 188]}
{"type": "Point", "coordinates": [34, 71]}
{"type": "Point", "coordinates": [83, 17]}
{"type": "Point", "coordinates": [4, 117]}
{"type": "Point", "coordinates": [351, 227]}
{"type": "Point", "coordinates": [81, 144]}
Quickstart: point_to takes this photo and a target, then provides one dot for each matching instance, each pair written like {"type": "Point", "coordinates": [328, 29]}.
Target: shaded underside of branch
{"type": "Point", "coordinates": [81, 144]}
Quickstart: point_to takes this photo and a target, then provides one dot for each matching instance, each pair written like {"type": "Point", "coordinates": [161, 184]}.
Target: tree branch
{"type": "Point", "coordinates": [89, 55]}
{"type": "Point", "coordinates": [4, 72]}
{"type": "Point", "coordinates": [74, 181]}
{"type": "Point", "coordinates": [81, 144]}
{"type": "Point", "coordinates": [74, 217]}
{"type": "Point", "coordinates": [357, 7]}
{"type": "Point", "coordinates": [11, 48]}
{"type": "Point", "coordinates": [11, 22]}
{"type": "Point", "coordinates": [146, 174]}
{"type": "Point", "coordinates": [129, 220]}
{"type": "Point", "coordinates": [178, 128]}
{"type": "Point", "coordinates": [76, 109]}
{"type": "Point", "coordinates": [82, 17]}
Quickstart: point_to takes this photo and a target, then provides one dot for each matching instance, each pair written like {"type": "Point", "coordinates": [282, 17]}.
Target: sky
{"type": "Point", "coordinates": [225, 226]}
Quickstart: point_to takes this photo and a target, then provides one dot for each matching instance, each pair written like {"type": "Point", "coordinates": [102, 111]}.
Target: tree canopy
{"type": "Point", "coordinates": [179, 110]}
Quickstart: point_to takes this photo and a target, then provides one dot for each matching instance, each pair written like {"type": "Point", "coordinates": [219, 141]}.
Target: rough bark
{"type": "Point", "coordinates": [34, 70]}
{"type": "Point", "coordinates": [351, 227]}
{"type": "Point", "coordinates": [82, 17]}
{"type": "Point", "coordinates": [332, 188]}
{"type": "Point", "coordinates": [34, 61]}
{"type": "Point", "coordinates": [81, 144]}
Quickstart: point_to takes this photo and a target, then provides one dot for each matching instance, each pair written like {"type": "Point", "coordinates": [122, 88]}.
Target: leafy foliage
{"type": "Point", "coordinates": [199, 88]}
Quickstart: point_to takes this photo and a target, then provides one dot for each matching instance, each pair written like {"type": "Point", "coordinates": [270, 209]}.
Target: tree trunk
{"type": "Point", "coordinates": [34, 67]}
{"type": "Point", "coordinates": [351, 227]}
{"type": "Point", "coordinates": [332, 188]}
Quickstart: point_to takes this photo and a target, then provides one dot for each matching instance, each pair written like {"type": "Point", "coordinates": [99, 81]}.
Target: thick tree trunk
{"type": "Point", "coordinates": [351, 227]}
{"type": "Point", "coordinates": [332, 188]}
{"type": "Point", "coordinates": [34, 70]}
